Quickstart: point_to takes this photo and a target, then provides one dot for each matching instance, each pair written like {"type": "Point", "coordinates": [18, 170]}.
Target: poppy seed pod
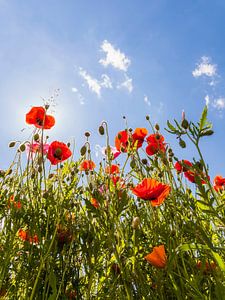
{"type": "Point", "coordinates": [182, 143]}
{"type": "Point", "coordinates": [185, 124]}
{"type": "Point", "coordinates": [157, 127]}
{"type": "Point", "coordinates": [135, 223]}
{"type": "Point", "coordinates": [12, 144]}
{"type": "Point", "coordinates": [101, 130]}
{"type": "Point", "coordinates": [36, 137]}
{"type": "Point", "coordinates": [22, 147]}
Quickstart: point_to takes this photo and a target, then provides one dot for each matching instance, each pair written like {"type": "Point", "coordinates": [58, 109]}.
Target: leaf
{"type": "Point", "coordinates": [171, 127]}
{"type": "Point", "coordinates": [203, 119]}
{"type": "Point", "coordinates": [52, 281]}
{"type": "Point", "coordinates": [219, 261]}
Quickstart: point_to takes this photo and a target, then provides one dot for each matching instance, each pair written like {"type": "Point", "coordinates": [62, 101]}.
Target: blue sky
{"type": "Point", "coordinates": [109, 59]}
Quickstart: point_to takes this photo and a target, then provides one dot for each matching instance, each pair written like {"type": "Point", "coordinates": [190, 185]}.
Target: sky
{"type": "Point", "coordinates": [102, 60]}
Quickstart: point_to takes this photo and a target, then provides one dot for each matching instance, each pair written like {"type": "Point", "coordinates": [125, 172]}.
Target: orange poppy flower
{"type": "Point", "coordinates": [87, 165]}
{"type": "Point", "coordinates": [155, 144]}
{"type": "Point", "coordinates": [138, 136]}
{"type": "Point", "coordinates": [16, 204]}
{"type": "Point", "coordinates": [58, 152]}
{"type": "Point", "coordinates": [219, 183]}
{"type": "Point", "coordinates": [37, 117]}
{"type": "Point", "coordinates": [94, 202]}
{"type": "Point", "coordinates": [113, 169]}
{"type": "Point", "coordinates": [206, 267]}
{"type": "Point", "coordinates": [23, 234]}
{"type": "Point", "coordinates": [150, 189]}
{"type": "Point", "coordinates": [157, 257]}
{"type": "Point", "coordinates": [121, 141]}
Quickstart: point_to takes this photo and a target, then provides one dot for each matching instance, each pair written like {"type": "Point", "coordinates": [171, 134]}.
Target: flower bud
{"type": "Point", "coordinates": [147, 118]}
{"type": "Point", "coordinates": [144, 161]}
{"type": "Point", "coordinates": [22, 147]}
{"type": "Point", "coordinates": [40, 169]}
{"type": "Point", "coordinates": [101, 130]}
{"type": "Point", "coordinates": [182, 143]}
{"type": "Point", "coordinates": [87, 134]}
{"type": "Point", "coordinates": [12, 144]}
{"type": "Point", "coordinates": [36, 137]}
{"type": "Point", "coordinates": [135, 223]}
{"type": "Point", "coordinates": [157, 127]}
{"type": "Point", "coordinates": [185, 124]}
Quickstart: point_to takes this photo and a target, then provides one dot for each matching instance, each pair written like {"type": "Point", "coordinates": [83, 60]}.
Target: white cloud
{"type": "Point", "coordinates": [147, 101]}
{"type": "Point", "coordinates": [219, 103]}
{"type": "Point", "coordinates": [80, 97]}
{"type": "Point", "coordinates": [92, 83]}
{"type": "Point", "coordinates": [127, 84]}
{"type": "Point", "coordinates": [106, 82]}
{"type": "Point", "coordinates": [205, 68]}
{"type": "Point", "coordinates": [114, 57]}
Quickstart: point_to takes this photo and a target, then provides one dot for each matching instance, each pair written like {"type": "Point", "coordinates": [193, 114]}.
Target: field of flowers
{"type": "Point", "coordinates": [141, 224]}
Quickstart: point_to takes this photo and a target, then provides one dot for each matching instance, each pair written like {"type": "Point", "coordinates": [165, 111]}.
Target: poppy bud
{"type": "Point", "coordinates": [157, 127]}
{"type": "Point", "coordinates": [40, 169]}
{"type": "Point", "coordinates": [22, 147]}
{"type": "Point", "coordinates": [46, 106]}
{"type": "Point", "coordinates": [147, 118]}
{"type": "Point", "coordinates": [182, 143]}
{"type": "Point", "coordinates": [40, 160]}
{"type": "Point", "coordinates": [68, 144]}
{"type": "Point", "coordinates": [185, 124]}
{"type": "Point", "coordinates": [101, 130]}
{"type": "Point", "coordinates": [170, 159]}
{"type": "Point", "coordinates": [87, 134]}
{"type": "Point", "coordinates": [135, 223]}
{"type": "Point", "coordinates": [12, 144]}
{"type": "Point", "coordinates": [36, 137]}
{"type": "Point", "coordinates": [144, 161]}
{"type": "Point", "coordinates": [132, 164]}
{"type": "Point", "coordinates": [208, 132]}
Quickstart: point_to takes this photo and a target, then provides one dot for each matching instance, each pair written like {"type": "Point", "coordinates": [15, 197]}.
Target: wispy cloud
{"type": "Point", "coordinates": [205, 68]}
{"type": "Point", "coordinates": [147, 101]}
{"type": "Point", "coordinates": [106, 82]}
{"type": "Point", "coordinates": [219, 103]}
{"type": "Point", "coordinates": [79, 96]}
{"type": "Point", "coordinates": [127, 84]}
{"type": "Point", "coordinates": [114, 57]}
{"type": "Point", "coordinates": [92, 83]}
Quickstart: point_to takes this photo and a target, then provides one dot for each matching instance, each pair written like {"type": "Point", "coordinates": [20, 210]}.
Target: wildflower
{"type": "Point", "coordinates": [138, 136]}
{"type": "Point", "coordinates": [219, 183]}
{"type": "Point", "coordinates": [121, 141]}
{"type": "Point", "coordinates": [190, 173]}
{"type": "Point", "coordinates": [182, 166]}
{"type": "Point", "coordinates": [206, 267]}
{"type": "Point", "coordinates": [136, 139]}
{"type": "Point", "coordinates": [16, 204]}
{"type": "Point", "coordinates": [23, 234]}
{"type": "Point", "coordinates": [155, 144]}
{"type": "Point", "coordinates": [87, 165]}
{"type": "Point", "coordinates": [157, 257]}
{"type": "Point", "coordinates": [113, 169]}
{"type": "Point", "coordinates": [64, 235]}
{"type": "Point", "coordinates": [150, 189]}
{"type": "Point", "coordinates": [58, 152]}
{"type": "Point", "coordinates": [94, 202]}
{"type": "Point", "coordinates": [33, 148]}
{"type": "Point", "coordinates": [115, 153]}
{"type": "Point", "coordinates": [37, 117]}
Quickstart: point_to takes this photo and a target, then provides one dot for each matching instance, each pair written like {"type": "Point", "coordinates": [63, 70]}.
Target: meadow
{"type": "Point", "coordinates": [141, 224]}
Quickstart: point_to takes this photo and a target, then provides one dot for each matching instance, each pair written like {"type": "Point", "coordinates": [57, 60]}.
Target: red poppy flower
{"type": "Point", "coordinates": [37, 117]}
{"type": "Point", "coordinates": [182, 166]}
{"type": "Point", "coordinates": [150, 189]}
{"type": "Point", "coordinates": [16, 204]}
{"type": "Point", "coordinates": [87, 165]}
{"type": "Point", "coordinates": [121, 141]}
{"type": "Point", "coordinates": [155, 144]}
{"type": "Point", "coordinates": [113, 169]}
{"type": "Point", "coordinates": [138, 136]}
{"type": "Point", "coordinates": [206, 267]}
{"type": "Point", "coordinates": [219, 183]}
{"type": "Point", "coordinates": [58, 152]}
{"type": "Point", "coordinates": [157, 257]}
